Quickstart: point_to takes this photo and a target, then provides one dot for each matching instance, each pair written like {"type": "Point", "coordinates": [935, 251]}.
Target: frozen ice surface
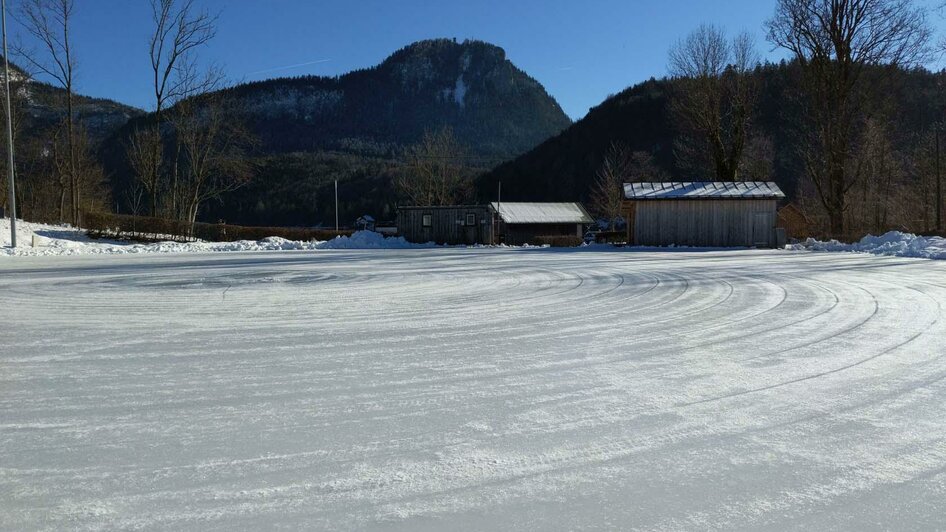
{"type": "Point", "coordinates": [451, 389]}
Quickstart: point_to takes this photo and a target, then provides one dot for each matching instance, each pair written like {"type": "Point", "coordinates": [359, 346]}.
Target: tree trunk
{"type": "Point", "coordinates": [62, 203]}
{"type": "Point", "coordinates": [155, 157]}
{"type": "Point", "coordinates": [73, 178]}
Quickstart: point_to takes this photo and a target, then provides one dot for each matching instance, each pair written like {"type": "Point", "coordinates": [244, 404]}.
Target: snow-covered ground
{"type": "Point", "coordinates": [446, 389]}
{"type": "Point", "coordinates": [43, 240]}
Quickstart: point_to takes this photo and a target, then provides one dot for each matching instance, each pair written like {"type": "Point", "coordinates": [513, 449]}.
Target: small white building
{"type": "Point", "coordinates": [521, 223]}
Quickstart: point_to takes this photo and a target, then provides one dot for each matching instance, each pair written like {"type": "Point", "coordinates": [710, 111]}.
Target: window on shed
{"type": "Point", "coordinates": [470, 218]}
{"type": "Point", "coordinates": [427, 220]}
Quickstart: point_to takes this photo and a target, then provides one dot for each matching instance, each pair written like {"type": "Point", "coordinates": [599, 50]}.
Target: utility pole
{"type": "Point", "coordinates": [499, 206]}
{"type": "Point", "coordinates": [336, 205]}
{"type": "Point", "coordinates": [6, 80]}
{"type": "Point", "coordinates": [939, 184]}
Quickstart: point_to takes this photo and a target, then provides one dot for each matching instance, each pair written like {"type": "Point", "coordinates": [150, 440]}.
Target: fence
{"type": "Point", "coordinates": [147, 229]}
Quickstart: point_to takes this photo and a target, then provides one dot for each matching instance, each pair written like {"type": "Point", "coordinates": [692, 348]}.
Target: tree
{"type": "Point", "coordinates": [923, 187]}
{"type": "Point", "coordinates": [49, 22]}
{"type": "Point", "coordinates": [714, 98]}
{"type": "Point", "coordinates": [213, 151]}
{"type": "Point", "coordinates": [435, 174]}
{"type": "Point", "coordinates": [145, 161]}
{"type": "Point", "coordinates": [179, 30]}
{"type": "Point", "coordinates": [758, 160]}
{"type": "Point", "coordinates": [836, 42]}
{"type": "Point", "coordinates": [877, 169]}
{"type": "Point", "coordinates": [607, 193]}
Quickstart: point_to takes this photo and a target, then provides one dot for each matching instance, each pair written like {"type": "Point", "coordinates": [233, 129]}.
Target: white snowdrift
{"type": "Point", "coordinates": [43, 239]}
{"type": "Point", "coordinates": [892, 244]}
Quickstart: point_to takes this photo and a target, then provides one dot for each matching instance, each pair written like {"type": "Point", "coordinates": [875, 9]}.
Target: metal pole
{"type": "Point", "coordinates": [6, 80]}
{"type": "Point", "coordinates": [499, 206]}
{"type": "Point", "coordinates": [939, 186]}
{"type": "Point", "coordinates": [336, 205]}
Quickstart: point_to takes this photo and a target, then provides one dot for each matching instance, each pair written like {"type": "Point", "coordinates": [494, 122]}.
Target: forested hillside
{"type": "Point", "coordinates": [565, 166]}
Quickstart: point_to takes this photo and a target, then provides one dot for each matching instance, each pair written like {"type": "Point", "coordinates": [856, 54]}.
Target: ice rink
{"type": "Point", "coordinates": [442, 389]}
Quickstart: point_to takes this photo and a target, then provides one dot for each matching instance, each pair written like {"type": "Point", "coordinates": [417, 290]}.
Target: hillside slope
{"type": "Point", "coordinates": [42, 106]}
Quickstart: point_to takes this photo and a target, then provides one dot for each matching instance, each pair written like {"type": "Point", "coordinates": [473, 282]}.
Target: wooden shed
{"type": "Point", "coordinates": [451, 224]}
{"type": "Point", "coordinates": [704, 214]}
{"type": "Point", "coordinates": [521, 223]}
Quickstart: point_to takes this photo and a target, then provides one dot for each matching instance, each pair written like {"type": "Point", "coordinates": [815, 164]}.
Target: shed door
{"type": "Point", "coordinates": [761, 229]}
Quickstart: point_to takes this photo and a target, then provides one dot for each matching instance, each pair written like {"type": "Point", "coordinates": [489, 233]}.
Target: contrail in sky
{"type": "Point", "coordinates": [287, 67]}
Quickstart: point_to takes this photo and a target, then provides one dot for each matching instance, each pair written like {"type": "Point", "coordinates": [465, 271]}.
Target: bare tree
{"type": "Point", "coordinates": [835, 43]}
{"type": "Point", "coordinates": [179, 29]}
{"type": "Point", "coordinates": [878, 169]}
{"type": "Point", "coordinates": [145, 160]}
{"type": "Point", "coordinates": [93, 188]}
{"type": "Point", "coordinates": [213, 151]}
{"type": "Point", "coordinates": [758, 160]}
{"type": "Point", "coordinates": [435, 174]}
{"type": "Point", "coordinates": [61, 159]}
{"type": "Point", "coordinates": [607, 193]}
{"type": "Point", "coordinates": [191, 82]}
{"type": "Point", "coordinates": [134, 197]}
{"type": "Point", "coordinates": [922, 208]}
{"type": "Point", "coordinates": [714, 98]}
{"type": "Point", "coordinates": [49, 23]}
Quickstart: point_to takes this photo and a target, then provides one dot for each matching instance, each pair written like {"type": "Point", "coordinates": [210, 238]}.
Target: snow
{"type": "Point", "coordinates": [894, 244]}
{"type": "Point", "coordinates": [447, 388]}
{"type": "Point", "coordinates": [459, 92]}
{"type": "Point", "coordinates": [42, 239]}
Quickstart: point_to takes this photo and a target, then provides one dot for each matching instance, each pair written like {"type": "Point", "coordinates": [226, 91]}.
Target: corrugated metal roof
{"type": "Point", "coordinates": [542, 213]}
{"type": "Point", "coordinates": [703, 189]}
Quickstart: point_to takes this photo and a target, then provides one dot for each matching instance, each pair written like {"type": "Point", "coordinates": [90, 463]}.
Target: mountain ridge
{"type": "Point", "coordinates": [493, 107]}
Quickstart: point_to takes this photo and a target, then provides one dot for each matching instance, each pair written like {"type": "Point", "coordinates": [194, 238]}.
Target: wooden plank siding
{"type": "Point", "coordinates": [518, 234]}
{"type": "Point", "coordinates": [735, 222]}
{"type": "Point", "coordinates": [448, 224]}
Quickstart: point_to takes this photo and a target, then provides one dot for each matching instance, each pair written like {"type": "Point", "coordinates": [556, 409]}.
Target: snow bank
{"type": "Point", "coordinates": [44, 239]}
{"type": "Point", "coordinates": [369, 240]}
{"type": "Point", "coordinates": [893, 244]}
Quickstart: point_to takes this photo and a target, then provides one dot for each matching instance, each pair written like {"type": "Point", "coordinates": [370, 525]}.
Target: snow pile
{"type": "Point", "coordinates": [369, 240]}
{"type": "Point", "coordinates": [43, 239]}
{"type": "Point", "coordinates": [893, 244]}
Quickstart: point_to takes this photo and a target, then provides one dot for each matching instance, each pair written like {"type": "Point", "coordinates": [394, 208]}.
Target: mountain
{"type": "Point", "coordinates": [494, 108]}
{"type": "Point", "coordinates": [354, 128]}
{"type": "Point", "coordinates": [42, 106]}
{"type": "Point", "coordinates": [563, 167]}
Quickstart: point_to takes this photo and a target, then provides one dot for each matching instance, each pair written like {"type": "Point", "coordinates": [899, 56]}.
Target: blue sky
{"type": "Point", "coordinates": [581, 51]}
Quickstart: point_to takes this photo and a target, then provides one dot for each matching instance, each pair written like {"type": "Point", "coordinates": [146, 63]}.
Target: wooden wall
{"type": "Point", "coordinates": [703, 222]}
{"type": "Point", "coordinates": [448, 224]}
{"type": "Point", "coordinates": [517, 234]}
